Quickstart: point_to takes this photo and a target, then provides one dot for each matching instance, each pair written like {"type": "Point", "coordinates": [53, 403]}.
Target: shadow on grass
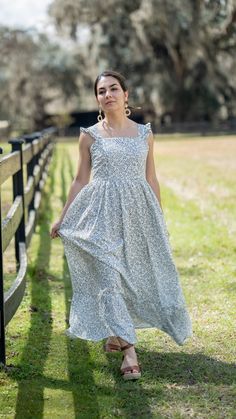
{"type": "Point", "coordinates": [187, 369]}
{"type": "Point", "coordinates": [30, 398]}
{"type": "Point", "coordinates": [132, 397]}
{"type": "Point", "coordinates": [179, 372]}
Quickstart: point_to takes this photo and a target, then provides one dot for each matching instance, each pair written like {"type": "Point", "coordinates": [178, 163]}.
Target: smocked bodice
{"type": "Point", "coordinates": [120, 158]}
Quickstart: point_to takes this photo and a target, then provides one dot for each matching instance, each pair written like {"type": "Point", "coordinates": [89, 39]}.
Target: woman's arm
{"type": "Point", "coordinates": [150, 170]}
{"type": "Point", "coordinates": [83, 171]}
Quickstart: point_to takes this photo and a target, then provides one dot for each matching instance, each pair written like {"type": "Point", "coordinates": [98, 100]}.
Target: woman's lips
{"type": "Point", "coordinates": [108, 103]}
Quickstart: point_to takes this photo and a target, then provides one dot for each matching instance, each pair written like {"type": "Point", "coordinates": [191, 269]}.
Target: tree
{"type": "Point", "coordinates": [179, 55]}
{"type": "Point", "coordinates": [33, 73]}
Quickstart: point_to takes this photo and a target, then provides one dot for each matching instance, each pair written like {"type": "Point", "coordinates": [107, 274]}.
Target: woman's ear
{"type": "Point", "coordinates": [126, 96]}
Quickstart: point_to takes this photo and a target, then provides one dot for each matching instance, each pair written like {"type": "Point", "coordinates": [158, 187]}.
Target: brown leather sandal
{"type": "Point", "coordinates": [132, 372]}
{"type": "Point", "coordinates": [111, 347]}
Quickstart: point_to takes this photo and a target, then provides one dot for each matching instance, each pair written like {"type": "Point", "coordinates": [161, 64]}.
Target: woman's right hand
{"type": "Point", "coordinates": [54, 229]}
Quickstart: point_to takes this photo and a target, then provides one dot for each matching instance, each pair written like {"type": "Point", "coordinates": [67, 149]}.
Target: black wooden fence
{"type": "Point", "coordinates": [34, 153]}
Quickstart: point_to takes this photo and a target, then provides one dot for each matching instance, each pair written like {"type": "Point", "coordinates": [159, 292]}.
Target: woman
{"type": "Point", "coordinates": [115, 237]}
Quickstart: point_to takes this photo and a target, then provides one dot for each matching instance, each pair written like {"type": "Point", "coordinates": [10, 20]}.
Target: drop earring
{"type": "Point", "coordinates": [127, 110]}
{"type": "Point", "coordinates": [99, 117]}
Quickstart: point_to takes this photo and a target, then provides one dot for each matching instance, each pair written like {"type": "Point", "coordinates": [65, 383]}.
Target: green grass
{"type": "Point", "coordinates": [50, 376]}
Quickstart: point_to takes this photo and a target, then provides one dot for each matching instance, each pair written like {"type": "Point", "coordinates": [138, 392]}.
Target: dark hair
{"type": "Point", "coordinates": [116, 75]}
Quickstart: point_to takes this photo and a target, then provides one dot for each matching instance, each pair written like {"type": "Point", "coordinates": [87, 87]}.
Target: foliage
{"type": "Point", "coordinates": [33, 73]}
{"type": "Point", "coordinates": [179, 55]}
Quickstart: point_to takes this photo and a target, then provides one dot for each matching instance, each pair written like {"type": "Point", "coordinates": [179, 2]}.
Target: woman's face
{"type": "Point", "coordinates": [110, 95]}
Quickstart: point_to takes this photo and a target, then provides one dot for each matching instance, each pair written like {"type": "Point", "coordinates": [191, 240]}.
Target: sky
{"type": "Point", "coordinates": [24, 13]}
{"type": "Point", "coordinates": [32, 14]}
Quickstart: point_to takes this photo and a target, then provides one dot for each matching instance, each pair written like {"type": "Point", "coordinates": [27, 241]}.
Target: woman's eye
{"type": "Point", "coordinates": [103, 92]}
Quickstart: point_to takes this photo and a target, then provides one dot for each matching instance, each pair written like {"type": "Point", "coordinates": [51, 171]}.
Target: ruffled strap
{"type": "Point", "coordinates": [148, 128]}
{"type": "Point", "coordinates": [86, 130]}
{"type": "Point", "coordinates": [89, 131]}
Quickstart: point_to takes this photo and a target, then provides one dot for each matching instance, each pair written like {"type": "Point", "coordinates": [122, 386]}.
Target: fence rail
{"type": "Point", "coordinates": [201, 128]}
{"type": "Point", "coordinates": [34, 152]}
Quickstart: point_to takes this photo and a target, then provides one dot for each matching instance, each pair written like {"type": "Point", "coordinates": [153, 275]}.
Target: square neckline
{"type": "Point", "coordinates": [117, 137]}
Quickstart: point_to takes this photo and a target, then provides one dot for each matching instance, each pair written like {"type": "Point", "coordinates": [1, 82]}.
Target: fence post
{"type": "Point", "coordinates": [32, 163]}
{"type": "Point", "coordinates": [2, 320]}
{"type": "Point", "coordinates": [18, 189]}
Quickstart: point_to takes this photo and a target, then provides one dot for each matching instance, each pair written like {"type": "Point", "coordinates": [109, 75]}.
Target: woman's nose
{"type": "Point", "coordinates": [108, 93]}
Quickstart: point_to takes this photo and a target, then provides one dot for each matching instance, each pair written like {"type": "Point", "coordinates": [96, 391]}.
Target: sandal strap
{"type": "Point", "coordinates": [131, 369]}
{"type": "Point", "coordinates": [112, 346]}
{"type": "Point", "coordinates": [129, 345]}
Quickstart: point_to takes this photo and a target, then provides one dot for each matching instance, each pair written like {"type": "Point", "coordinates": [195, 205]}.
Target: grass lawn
{"type": "Point", "coordinates": [49, 375]}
